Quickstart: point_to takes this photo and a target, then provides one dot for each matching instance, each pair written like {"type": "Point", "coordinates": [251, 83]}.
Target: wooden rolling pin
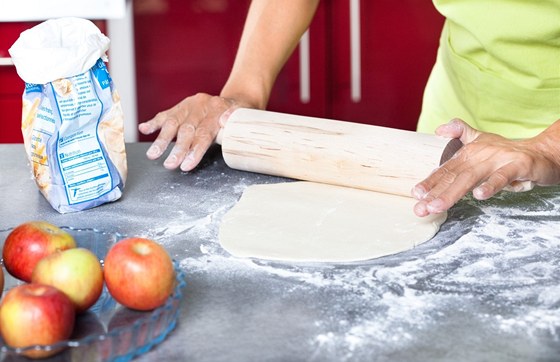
{"type": "Point", "coordinates": [334, 152]}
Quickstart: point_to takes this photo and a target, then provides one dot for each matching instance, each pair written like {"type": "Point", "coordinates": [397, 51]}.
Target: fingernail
{"type": "Point", "coordinates": [153, 151]}
{"type": "Point", "coordinates": [146, 128]}
{"type": "Point", "coordinates": [186, 165]}
{"type": "Point", "coordinates": [420, 209]}
{"type": "Point", "coordinates": [170, 161]}
{"type": "Point", "coordinates": [418, 192]}
{"type": "Point", "coordinates": [479, 192]}
{"type": "Point", "coordinates": [435, 206]}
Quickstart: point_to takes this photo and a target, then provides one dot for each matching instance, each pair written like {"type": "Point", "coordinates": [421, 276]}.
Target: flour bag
{"type": "Point", "coordinates": [72, 120]}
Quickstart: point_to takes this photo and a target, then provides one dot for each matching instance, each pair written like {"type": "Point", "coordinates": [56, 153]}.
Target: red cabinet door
{"type": "Point", "coordinates": [397, 48]}
{"type": "Point", "coordinates": [303, 86]}
{"type": "Point", "coordinates": [11, 86]}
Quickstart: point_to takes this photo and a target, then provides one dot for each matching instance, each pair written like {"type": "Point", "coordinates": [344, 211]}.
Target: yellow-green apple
{"type": "Point", "coordinates": [77, 272]}
{"type": "Point", "coordinates": [139, 273]}
{"type": "Point", "coordinates": [30, 242]}
{"type": "Point", "coordinates": [36, 314]}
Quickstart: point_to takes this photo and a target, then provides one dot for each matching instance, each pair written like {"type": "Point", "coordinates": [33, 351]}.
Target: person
{"type": "Point", "coordinates": [495, 86]}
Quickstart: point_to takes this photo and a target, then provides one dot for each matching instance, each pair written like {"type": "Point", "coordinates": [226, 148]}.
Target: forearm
{"type": "Point", "coordinates": [271, 33]}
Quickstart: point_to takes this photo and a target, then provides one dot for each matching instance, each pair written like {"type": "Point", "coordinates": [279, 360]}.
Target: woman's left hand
{"type": "Point", "coordinates": [486, 164]}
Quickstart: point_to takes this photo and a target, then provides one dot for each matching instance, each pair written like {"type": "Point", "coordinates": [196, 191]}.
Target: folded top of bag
{"type": "Point", "coordinates": [58, 48]}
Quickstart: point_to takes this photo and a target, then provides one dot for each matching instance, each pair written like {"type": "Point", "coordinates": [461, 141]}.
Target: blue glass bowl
{"type": "Point", "coordinates": [108, 331]}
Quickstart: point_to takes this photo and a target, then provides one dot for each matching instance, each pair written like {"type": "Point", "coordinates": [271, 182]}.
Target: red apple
{"type": "Point", "coordinates": [139, 273]}
{"type": "Point", "coordinates": [77, 272]}
{"type": "Point", "coordinates": [30, 242]}
{"type": "Point", "coordinates": [35, 314]}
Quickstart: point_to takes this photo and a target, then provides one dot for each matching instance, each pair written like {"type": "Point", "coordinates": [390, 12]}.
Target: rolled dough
{"type": "Point", "coordinates": [312, 222]}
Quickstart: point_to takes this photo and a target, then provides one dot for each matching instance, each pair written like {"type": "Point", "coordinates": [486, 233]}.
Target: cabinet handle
{"type": "Point", "coordinates": [355, 52]}
{"type": "Point", "coordinates": [6, 61]}
{"type": "Point", "coordinates": [304, 69]}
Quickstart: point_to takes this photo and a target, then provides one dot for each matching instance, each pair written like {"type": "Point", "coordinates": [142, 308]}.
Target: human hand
{"type": "Point", "coordinates": [486, 164]}
{"type": "Point", "coordinates": [195, 122]}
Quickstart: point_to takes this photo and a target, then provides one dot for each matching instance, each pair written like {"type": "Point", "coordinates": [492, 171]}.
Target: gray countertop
{"type": "Point", "coordinates": [485, 288]}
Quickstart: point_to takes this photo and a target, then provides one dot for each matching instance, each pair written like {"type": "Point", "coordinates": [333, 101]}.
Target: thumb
{"type": "Point", "coordinates": [225, 115]}
{"type": "Point", "coordinates": [457, 128]}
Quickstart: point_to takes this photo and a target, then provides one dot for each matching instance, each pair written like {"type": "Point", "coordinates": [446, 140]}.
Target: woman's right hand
{"type": "Point", "coordinates": [194, 122]}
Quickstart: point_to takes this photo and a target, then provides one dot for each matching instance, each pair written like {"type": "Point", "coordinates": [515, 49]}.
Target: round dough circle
{"type": "Point", "coordinates": [312, 222]}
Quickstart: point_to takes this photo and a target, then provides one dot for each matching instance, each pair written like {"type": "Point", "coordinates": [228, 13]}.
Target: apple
{"type": "Point", "coordinates": [139, 273]}
{"type": "Point", "coordinates": [30, 242]}
{"type": "Point", "coordinates": [36, 314]}
{"type": "Point", "coordinates": [77, 272]}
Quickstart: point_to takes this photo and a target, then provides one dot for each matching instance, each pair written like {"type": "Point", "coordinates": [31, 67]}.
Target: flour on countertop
{"type": "Point", "coordinates": [491, 268]}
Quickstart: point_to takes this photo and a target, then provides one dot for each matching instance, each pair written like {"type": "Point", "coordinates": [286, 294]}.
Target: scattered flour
{"type": "Point", "coordinates": [494, 268]}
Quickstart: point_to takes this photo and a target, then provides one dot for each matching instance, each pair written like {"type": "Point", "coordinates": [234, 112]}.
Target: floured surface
{"type": "Point", "coordinates": [486, 287]}
{"type": "Point", "coordinates": [311, 222]}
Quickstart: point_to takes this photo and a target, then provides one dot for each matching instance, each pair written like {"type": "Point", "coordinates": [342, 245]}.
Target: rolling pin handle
{"type": "Point", "coordinates": [452, 147]}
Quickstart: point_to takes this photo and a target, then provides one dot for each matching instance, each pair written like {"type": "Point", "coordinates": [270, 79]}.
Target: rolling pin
{"type": "Point", "coordinates": [329, 151]}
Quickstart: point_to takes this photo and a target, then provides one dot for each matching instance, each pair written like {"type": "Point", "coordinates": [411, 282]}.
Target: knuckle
{"type": "Point", "coordinates": [172, 122]}
{"type": "Point", "coordinates": [524, 159]}
{"type": "Point", "coordinates": [200, 96]}
{"type": "Point", "coordinates": [188, 127]}
{"type": "Point", "coordinates": [447, 176]}
{"type": "Point", "coordinates": [216, 102]}
{"type": "Point", "coordinates": [186, 130]}
{"type": "Point", "coordinates": [166, 118]}
{"type": "Point", "coordinates": [204, 135]}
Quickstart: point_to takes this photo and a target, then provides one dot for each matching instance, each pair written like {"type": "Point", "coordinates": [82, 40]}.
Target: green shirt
{"type": "Point", "coordinates": [498, 67]}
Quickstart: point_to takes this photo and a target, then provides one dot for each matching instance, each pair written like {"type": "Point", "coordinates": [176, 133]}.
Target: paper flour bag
{"type": "Point", "coordinates": [72, 120]}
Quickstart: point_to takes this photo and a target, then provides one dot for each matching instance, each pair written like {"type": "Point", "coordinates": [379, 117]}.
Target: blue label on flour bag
{"type": "Point", "coordinates": [101, 74]}
{"type": "Point", "coordinates": [82, 164]}
{"type": "Point", "coordinates": [30, 87]}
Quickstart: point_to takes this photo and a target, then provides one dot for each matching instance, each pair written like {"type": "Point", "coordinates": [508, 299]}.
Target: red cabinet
{"type": "Point", "coordinates": [11, 86]}
{"type": "Point", "coordinates": [397, 49]}
{"type": "Point", "coordinates": [188, 46]}
{"type": "Point", "coordinates": [195, 44]}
